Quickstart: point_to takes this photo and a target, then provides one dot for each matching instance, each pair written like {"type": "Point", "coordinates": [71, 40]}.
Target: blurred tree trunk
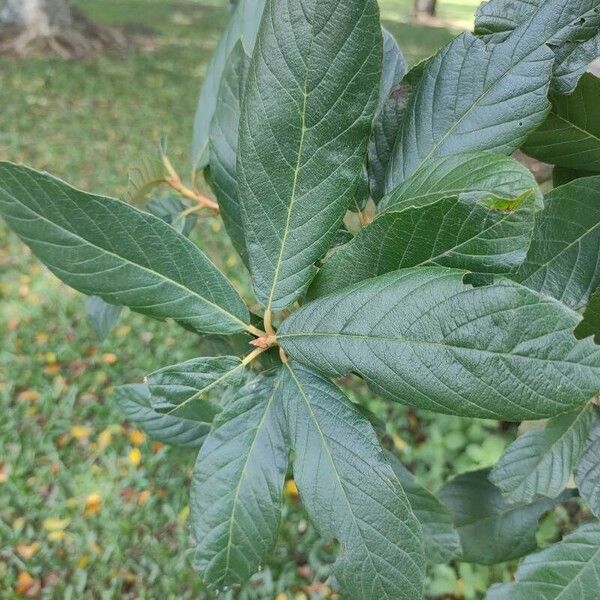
{"type": "Point", "coordinates": [425, 7]}
{"type": "Point", "coordinates": [51, 26]}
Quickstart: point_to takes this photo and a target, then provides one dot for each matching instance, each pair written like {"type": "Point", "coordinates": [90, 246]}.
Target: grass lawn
{"type": "Point", "coordinates": [90, 508]}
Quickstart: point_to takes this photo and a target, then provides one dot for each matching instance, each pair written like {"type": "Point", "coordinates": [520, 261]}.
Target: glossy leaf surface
{"type": "Point", "coordinates": [562, 260]}
{"type": "Point", "coordinates": [102, 316]}
{"type": "Point", "coordinates": [350, 492]}
{"type": "Point", "coordinates": [541, 461]}
{"type": "Point", "coordinates": [237, 485]}
{"type": "Point", "coordinates": [424, 338]}
{"type": "Point", "coordinates": [103, 247]}
{"type": "Point", "coordinates": [306, 118]}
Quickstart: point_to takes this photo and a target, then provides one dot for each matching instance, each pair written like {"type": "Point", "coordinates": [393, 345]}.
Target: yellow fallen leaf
{"type": "Point", "coordinates": [123, 331]}
{"type": "Point", "coordinates": [80, 432]}
{"type": "Point", "coordinates": [24, 583]}
{"type": "Point", "coordinates": [399, 443]}
{"type": "Point", "coordinates": [93, 503]}
{"type": "Point", "coordinates": [53, 524]}
{"type": "Point", "coordinates": [109, 358]}
{"type": "Point", "coordinates": [135, 457]}
{"type": "Point", "coordinates": [50, 357]}
{"type": "Point", "coordinates": [104, 439]}
{"type": "Point", "coordinates": [27, 551]}
{"type": "Point", "coordinates": [84, 561]}
{"type": "Point", "coordinates": [291, 488]}
{"type": "Point", "coordinates": [137, 437]}
{"type": "Point", "coordinates": [281, 596]}
{"type": "Point", "coordinates": [184, 513]}
{"type": "Point", "coordinates": [29, 396]}
{"type": "Point", "coordinates": [144, 496]}
{"type": "Point", "coordinates": [41, 338]}
{"type": "Point", "coordinates": [56, 536]}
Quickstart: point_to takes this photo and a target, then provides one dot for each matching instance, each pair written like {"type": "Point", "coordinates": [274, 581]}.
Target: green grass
{"type": "Point", "coordinates": [88, 122]}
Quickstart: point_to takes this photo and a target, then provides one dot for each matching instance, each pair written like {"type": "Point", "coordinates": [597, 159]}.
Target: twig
{"type": "Point", "coordinates": [177, 184]}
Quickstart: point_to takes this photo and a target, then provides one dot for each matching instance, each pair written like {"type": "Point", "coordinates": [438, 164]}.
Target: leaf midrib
{"type": "Point", "coordinates": [121, 258]}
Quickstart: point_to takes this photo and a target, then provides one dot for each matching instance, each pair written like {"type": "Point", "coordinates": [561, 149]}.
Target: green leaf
{"type": "Point", "coordinates": [587, 475]}
{"type": "Point", "coordinates": [179, 389]}
{"type": "Point", "coordinates": [103, 247]}
{"type": "Point", "coordinates": [562, 260]}
{"type": "Point", "coordinates": [541, 461]}
{"type": "Point", "coordinates": [490, 529]}
{"type": "Point", "coordinates": [170, 210]}
{"type": "Point", "coordinates": [488, 236]}
{"type": "Point", "coordinates": [394, 67]}
{"type": "Point", "coordinates": [424, 338]}
{"type": "Point", "coordinates": [102, 317]}
{"type": "Point", "coordinates": [591, 319]}
{"type": "Point", "coordinates": [442, 543]}
{"type": "Point", "coordinates": [570, 135]}
{"type": "Point", "coordinates": [569, 570]}
{"type": "Point", "coordinates": [224, 147]}
{"type": "Point", "coordinates": [562, 175]}
{"type": "Point", "coordinates": [474, 96]}
{"type": "Point", "coordinates": [475, 175]}
{"type": "Point", "coordinates": [386, 126]}
{"type": "Point", "coordinates": [574, 46]}
{"type": "Point", "coordinates": [237, 485]}
{"type": "Point", "coordinates": [244, 24]}
{"type": "Point", "coordinates": [350, 492]}
{"type": "Point", "coordinates": [306, 118]}
{"type": "Point", "coordinates": [144, 176]}
{"type": "Point", "coordinates": [134, 401]}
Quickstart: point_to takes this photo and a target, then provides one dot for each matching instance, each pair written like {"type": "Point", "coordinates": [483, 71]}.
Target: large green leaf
{"type": "Point", "coordinates": [386, 125]}
{"type": "Point", "coordinates": [474, 175]}
{"type": "Point", "coordinates": [224, 146]}
{"type": "Point", "coordinates": [591, 318]}
{"type": "Point", "coordinates": [189, 431]}
{"type": "Point", "coordinates": [587, 475]}
{"type": "Point", "coordinates": [442, 543]}
{"type": "Point", "coordinates": [569, 570]}
{"type": "Point", "coordinates": [570, 136]}
{"type": "Point", "coordinates": [350, 492]}
{"type": "Point", "coordinates": [490, 529]}
{"type": "Point", "coordinates": [244, 24]}
{"type": "Point", "coordinates": [541, 461]}
{"type": "Point", "coordinates": [423, 337]}
{"type": "Point", "coordinates": [181, 388]}
{"type": "Point", "coordinates": [237, 485]}
{"type": "Point", "coordinates": [306, 118]}
{"type": "Point", "coordinates": [103, 247]}
{"type": "Point", "coordinates": [562, 260]}
{"type": "Point", "coordinates": [487, 236]}
{"type": "Point", "coordinates": [574, 46]}
{"type": "Point", "coordinates": [474, 96]}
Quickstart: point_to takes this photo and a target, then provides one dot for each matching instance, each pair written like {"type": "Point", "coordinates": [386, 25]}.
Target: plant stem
{"type": "Point", "coordinates": [256, 331]}
{"type": "Point", "coordinates": [177, 184]}
{"type": "Point", "coordinates": [253, 355]}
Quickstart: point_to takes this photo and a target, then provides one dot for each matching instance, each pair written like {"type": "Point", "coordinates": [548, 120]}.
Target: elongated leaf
{"type": "Point", "coordinates": [569, 570]}
{"type": "Point", "coordinates": [424, 338]}
{"type": "Point", "coordinates": [224, 146]}
{"type": "Point", "coordinates": [562, 260]}
{"type": "Point", "coordinates": [475, 97]}
{"type": "Point", "coordinates": [189, 431]}
{"type": "Point", "coordinates": [488, 236]}
{"type": "Point", "coordinates": [474, 175]}
{"type": "Point", "coordinates": [562, 175]}
{"type": "Point", "coordinates": [244, 24]}
{"type": "Point", "coordinates": [237, 486]}
{"type": "Point", "coordinates": [541, 461]}
{"type": "Point", "coordinates": [591, 319]}
{"type": "Point", "coordinates": [350, 492]}
{"type": "Point", "coordinates": [386, 126]}
{"type": "Point", "coordinates": [442, 543]}
{"type": "Point", "coordinates": [575, 47]}
{"type": "Point", "coordinates": [179, 389]}
{"type": "Point", "coordinates": [587, 475]}
{"type": "Point", "coordinates": [306, 118]}
{"type": "Point", "coordinates": [394, 67]}
{"type": "Point", "coordinates": [103, 247]}
{"type": "Point", "coordinates": [490, 529]}
{"type": "Point", "coordinates": [102, 316]}
{"type": "Point", "coordinates": [570, 135]}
